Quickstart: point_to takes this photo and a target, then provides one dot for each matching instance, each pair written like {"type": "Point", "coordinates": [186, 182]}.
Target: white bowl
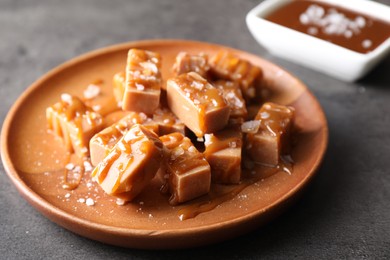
{"type": "Point", "coordinates": [313, 52]}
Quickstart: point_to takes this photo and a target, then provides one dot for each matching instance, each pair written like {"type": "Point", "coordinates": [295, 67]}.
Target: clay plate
{"type": "Point", "coordinates": [34, 159]}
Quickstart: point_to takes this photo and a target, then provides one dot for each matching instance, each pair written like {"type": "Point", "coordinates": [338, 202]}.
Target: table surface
{"type": "Point", "coordinates": [344, 213]}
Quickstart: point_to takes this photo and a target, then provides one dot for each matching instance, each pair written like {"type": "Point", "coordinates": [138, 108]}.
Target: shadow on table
{"type": "Point", "coordinates": [379, 77]}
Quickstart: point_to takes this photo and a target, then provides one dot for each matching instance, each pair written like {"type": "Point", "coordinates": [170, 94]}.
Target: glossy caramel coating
{"type": "Point", "coordinates": [185, 63]}
{"type": "Point", "coordinates": [188, 172]}
{"type": "Point", "coordinates": [143, 81]}
{"type": "Point", "coordinates": [131, 164]}
{"type": "Point", "coordinates": [102, 143]}
{"type": "Point", "coordinates": [223, 153]}
{"type": "Point", "coordinates": [272, 138]}
{"type": "Point", "coordinates": [199, 105]}
{"type": "Point", "coordinates": [168, 122]}
{"type": "Point", "coordinates": [74, 122]}
{"type": "Point", "coordinates": [226, 65]}
{"type": "Point", "coordinates": [233, 95]}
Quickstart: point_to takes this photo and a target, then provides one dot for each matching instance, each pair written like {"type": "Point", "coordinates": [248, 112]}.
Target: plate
{"type": "Point", "coordinates": [34, 160]}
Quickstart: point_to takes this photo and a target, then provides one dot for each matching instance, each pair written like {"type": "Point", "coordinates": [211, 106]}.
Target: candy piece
{"type": "Point", "coordinates": [188, 171]}
{"type": "Point", "coordinates": [197, 103]}
{"type": "Point", "coordinates": [74, 122]}
{"type": "Point", "coordinates": [143, 81]}
{"type": "Point", "coordinates": [168, 122]}
{"type": "Point", "coordinates": [273, 136]}
{"type": "Point", "coordinates": [232, 93]}
{"type": "Point", "coordinates": [223, 153]}
{"type": "Point", "coordinates": [131, 165]}
{"type": "Point", "coordinates": [119, 83]}
{"type": "Point", "coordinates": [186, 63]}
{"type": "Point", "coordinates": [226, 65]}
{"type": "Point", "coordinates": [102, 143]}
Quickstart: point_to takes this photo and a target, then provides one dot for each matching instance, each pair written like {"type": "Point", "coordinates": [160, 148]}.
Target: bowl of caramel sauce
{"type": "Point", "coordinates": [344, 39]}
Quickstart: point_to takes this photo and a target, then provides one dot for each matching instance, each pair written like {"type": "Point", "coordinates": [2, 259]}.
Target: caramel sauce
{"type": "Point", "coordinates": [220, 193]}
{"type": "Point", "coordinates": [143, 70]}
{"type": "Point", "coordinates": [346, 28]}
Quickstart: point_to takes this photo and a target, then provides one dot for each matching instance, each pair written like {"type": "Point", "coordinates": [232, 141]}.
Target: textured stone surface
{"type": "Point", "coordinates": [344, 213]}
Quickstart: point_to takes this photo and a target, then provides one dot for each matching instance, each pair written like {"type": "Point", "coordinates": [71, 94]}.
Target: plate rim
{"type": "Point", "coordinates": [44, 207]}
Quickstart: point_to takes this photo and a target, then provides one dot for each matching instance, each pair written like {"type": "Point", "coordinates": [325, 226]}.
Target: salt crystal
{"type": "Point", "coordinates": [87, 166]}
{"type": "Point", "coordinates": [69, 166]}
{"type": "Point", "coordinates": [199, 139]}
{"type": "Point", "coordinates": [250, 126]}
{"type": "Point", "coordinates": [192, 149]}
{"type": "Point", "coordinates": [360, 21]}
{"type": "Point", "coordinates": [120, 202]}
{"type": "Point", "coordinates": [139, 86]}
{"type": "Point", "coordinates": [92, 91]}
{"type": "Point", "coordinates": [90, 202]}
{"type": "Point", "coordinates": [66, 98]}
{"type": "Point", "coordinates": [304, 18]}
{"type": "Point", "coordinates": [367, 43]}
{"type": "Point", "coordinates": [312, 30]}
{"type": "Point", "coordinates": [67, 195]}
{"type": "Point", "coordinates": [81, 200]}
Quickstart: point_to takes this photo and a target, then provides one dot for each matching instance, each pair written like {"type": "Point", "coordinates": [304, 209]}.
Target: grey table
{"type": "Point", "coordinates": [344, 213]}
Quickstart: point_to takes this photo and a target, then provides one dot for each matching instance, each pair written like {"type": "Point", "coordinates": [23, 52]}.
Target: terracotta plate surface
{"type": "Point", "coordinates": [35, 160]}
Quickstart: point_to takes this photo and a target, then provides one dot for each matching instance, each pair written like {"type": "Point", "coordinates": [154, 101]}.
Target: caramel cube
{"type": "Point", "coordinates": [226, 65]}
{"type": "Point", "coordinates": [168, 122]}
{"type": "Point", "coordinates": [199, 105]}
{"type": "Point", "coordinates": [223, 153]}
{"type": "Point", "coordinates": [74, 122]}
{"type": "Point", "coordinates": [102, 143]}
{"type": "Point", "coordinates": [119, 83]}
{"type": "Point", "coordinates": [143, 81]}
{"type": "Point", "coordinates": [189, 174]}
{"type": "Point", "coordinates": [271, 139]}
{"type": "Point", "coordinates": [233, 95]}
{"type": "Point", "coordinates": [131, 164]}
{"type": "Point", "coordinates": [191, 63]}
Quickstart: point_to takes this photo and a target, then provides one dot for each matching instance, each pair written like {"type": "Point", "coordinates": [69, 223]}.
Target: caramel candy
{"type": "Point", "coordinates": [226, 65]}
{"type": "Point", "coordinates": [119, 83]}
{"type": "Point", "coordinates": [143, 81]}
{"type": "Point", "coordinates": [131, 165]}
{"type": "Point", "coordinates": [72, 120]}
{"type": "Point", "coordinates": [102, 143]}
{"type": "Point", "coordinates": [199, 105]}
{"type": "Point", "coordinates": [223, 153]}
{"type": "Point", "coordinates": [188, 171]}
{"type": "Point", "coordinates": [168, 122]}
{"type": "Point", "coordinates": [233, 95]}
{"type": "Point", "coordinates": [186, 63]}
{"type": "Point", "coordinates": [270, 137]}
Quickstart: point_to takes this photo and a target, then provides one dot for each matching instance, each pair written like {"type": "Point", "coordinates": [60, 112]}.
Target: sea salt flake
{"type": "Point", "coordinates": [367, 44]}
{"type": "Point", "coordinates": [92, 91]}
{"type": "Point", "coordinates": [90, 202]}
